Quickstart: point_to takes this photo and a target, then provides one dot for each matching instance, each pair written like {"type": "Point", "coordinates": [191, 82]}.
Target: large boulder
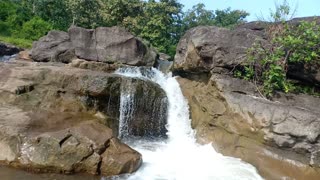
{"type": "Point", "coordinates": [57, 118]}
{"type": "Point", "coordinates": [65, 142]}
{"type": "Point", "coordinates": [103, 44]}
{"type": "Point", "coordinates": [206, 47]}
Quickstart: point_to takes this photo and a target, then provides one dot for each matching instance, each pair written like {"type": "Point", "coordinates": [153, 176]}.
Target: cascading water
{"type": "Point", "coordinates": [179, 157]}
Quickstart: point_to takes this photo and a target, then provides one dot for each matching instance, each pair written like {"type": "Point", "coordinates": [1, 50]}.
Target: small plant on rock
{"type": "Point", "coordinates": [290, 45]}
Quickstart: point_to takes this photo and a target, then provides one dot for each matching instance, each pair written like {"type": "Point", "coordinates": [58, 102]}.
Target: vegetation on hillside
{"type": "Point", "coordinates": [162, 22]}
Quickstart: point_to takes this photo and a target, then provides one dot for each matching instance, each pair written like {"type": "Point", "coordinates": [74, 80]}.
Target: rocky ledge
{"type": "Point", "coordinates": [58, 118]}
{"type": "Point", "coordinates": [279, 137]}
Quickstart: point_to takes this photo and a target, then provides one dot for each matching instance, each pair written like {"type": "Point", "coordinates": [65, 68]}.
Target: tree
{"type": "Point", "coordinates": [55, 12]}
{"type": "Point", "coordinates": [228, 18]}
{"type": "Point", "coordinates": [159, 24]}
{"type": "Point", "coordinates": [198, 16]}
{"type": "Point", "coordinates": [34, 29]}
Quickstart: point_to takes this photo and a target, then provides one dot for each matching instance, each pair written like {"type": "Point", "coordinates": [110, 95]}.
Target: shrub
{"type": "Point", "coordinates": [290, 44]}
{"type": "Point", "coordinates": [34, 29]}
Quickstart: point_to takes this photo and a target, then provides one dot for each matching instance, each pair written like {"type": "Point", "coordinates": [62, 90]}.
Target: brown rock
{"type": "Point", "coordinates": [53, 118]}
{"type": "Point", "coordinates": [24, 55]}
{"type": "Point", "coordinates": [113, 45]}
{"type": "Point", "coordinates": [119, 158]}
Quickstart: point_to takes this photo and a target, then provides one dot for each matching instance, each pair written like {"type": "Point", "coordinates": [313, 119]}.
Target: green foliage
{"type": "Point", "coordinates": [228, 18]}
{"type": "Point", "coordinates": [19, 42]}
{"type": "Point", "coordinates": [34, 29]}
{"type": "Point", "coordinates": [290, 45]}
{"type": "Point", "coordinates": [198, 15]}
{"type": "Point", "coordinates": [159, 24]}
{"type": "Point", "coordinates": [7, 8]}
{"type": "Point", "coordinates": [281, 13]}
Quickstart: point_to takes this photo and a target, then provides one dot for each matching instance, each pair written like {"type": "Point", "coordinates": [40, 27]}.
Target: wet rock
{"type": "Point", "coordinates": [56, 118]}
{"type": "Point", "coordinates": [145, 112]}
{"type": "Point", "coordinates": [229, 113]}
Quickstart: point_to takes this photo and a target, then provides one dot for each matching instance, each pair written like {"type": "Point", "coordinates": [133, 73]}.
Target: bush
{"type": "Point", "coordinates": [289, 45]}
{"type": "Point", "coordinates": [34, 29]}
{"type": "Point", "coordinates": [4, 28]}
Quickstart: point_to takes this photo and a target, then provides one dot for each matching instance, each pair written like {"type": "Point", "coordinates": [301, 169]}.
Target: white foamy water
{"type": "Point", "coordinates": [179, 157]}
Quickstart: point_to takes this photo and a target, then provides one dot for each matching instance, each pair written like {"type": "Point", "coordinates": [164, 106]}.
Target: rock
{"type": "Point", "coordinates": [229, 113]}
{"type": "Point", "coordinates": [307, 74]}
{"type": "Point", "coordinates": [113, 45]}
{"type": "Point", "coordinates": [84, 42]}
{"type": "Point", "coordinates": [24, 55]}
{"type": "Point", "coordinates": [54, 47]}
{"type": "Point", "coordinates": [94, 66]}
{"type": "Point", "coordinates": [164, 57]}
{"type": "Point", "coordinates": [205, 47]}
{"type": "Point", "coordinates": [56, 118]}
{"type": "Point", "coordinates": [8, 50]}
{"type": "Point", "coordinates": [127, 160]}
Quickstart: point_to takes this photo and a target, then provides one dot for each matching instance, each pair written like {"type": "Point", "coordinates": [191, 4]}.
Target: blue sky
{"type": "Point", "coordinates": [258, 8]}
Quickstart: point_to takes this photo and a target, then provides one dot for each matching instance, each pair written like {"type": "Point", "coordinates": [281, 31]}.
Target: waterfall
{"type": "Point", "coordinates": [179, 157]}
{"type": "Point", "coordinates": [126, 107]}
{"type": "Point", "coordinates": [143, 107]}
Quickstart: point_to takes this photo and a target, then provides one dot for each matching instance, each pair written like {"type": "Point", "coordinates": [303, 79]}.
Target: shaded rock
{"type": "Point", "coordinates": [8, 50]}
{"type": "Point", "coordinates": [307, 74]}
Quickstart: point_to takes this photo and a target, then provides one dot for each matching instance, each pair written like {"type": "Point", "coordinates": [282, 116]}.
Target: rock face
{"type": "Point", "coordinates": [56, 118]}
{"type": "Point", "coordinates": [279, 137]}
{"type": "Point", "coordinates": [104, 44]}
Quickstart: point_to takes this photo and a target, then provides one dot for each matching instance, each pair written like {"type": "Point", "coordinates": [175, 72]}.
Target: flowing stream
{"type": "Point", "coordinates": [178, 157]}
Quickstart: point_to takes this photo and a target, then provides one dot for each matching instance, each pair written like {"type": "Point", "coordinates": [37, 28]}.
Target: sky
{"type": "Point", "coordinates": [258, 8]}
